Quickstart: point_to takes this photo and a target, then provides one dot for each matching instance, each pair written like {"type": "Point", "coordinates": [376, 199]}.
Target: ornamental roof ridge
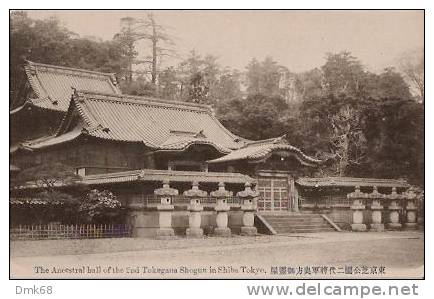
{"type": "Point", "coordinates": [274, 140]}
{"type": "Point", "coordinates": [141, 100]}
{"type": "Point", "coordinates": [76, 71]}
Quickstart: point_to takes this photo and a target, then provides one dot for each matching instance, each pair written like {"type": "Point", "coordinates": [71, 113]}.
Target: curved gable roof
{"type": "Point", "coordinates": [158, 124]}
{"type": "Point", "coordinates": [152, 121]}
{"type": "Point", "coordinates": [263, 149]}
{"type": "Point", "coordinates": [53, 85]}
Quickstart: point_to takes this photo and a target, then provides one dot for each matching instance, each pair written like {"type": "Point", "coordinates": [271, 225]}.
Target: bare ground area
{"type": "Point", "coordinates": [322, 255]}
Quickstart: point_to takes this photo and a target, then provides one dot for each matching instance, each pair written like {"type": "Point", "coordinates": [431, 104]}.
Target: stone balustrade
{"type": "Point", "coordinates": [376, 204]}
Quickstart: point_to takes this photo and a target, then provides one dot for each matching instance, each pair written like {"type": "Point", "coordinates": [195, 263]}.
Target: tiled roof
{"type": "Point", "coordinates": [160, 125]}
{"type": "Point", "coordinates": [53, 85]}
{"type": "Point", "coordinates": [13, 168]}
{"type": "Point", "coordinates": [170, 175]}
{"type": "Point", "coordinates": [351, 182]}
{"type": "Point", "coordinates": [262, 149]}
{"type": "Point", "coordinates": [52, 140]}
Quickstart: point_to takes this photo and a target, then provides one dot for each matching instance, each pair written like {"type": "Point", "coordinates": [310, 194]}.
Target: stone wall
{"type": "Point", "coordinates": [145, 223]}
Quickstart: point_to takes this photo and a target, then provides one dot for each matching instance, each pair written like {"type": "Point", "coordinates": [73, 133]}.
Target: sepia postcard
{"type": "Point", "coordinates": [217, 144]}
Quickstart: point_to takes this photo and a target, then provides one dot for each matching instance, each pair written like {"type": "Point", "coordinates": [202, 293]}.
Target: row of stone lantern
{"type": "Point", "coordinates": [194, 230]}
{"type": "Point", "coordinates": [376, 203]}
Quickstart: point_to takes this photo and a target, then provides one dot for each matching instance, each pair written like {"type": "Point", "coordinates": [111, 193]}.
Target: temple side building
{"type": "Point", "coordinates": [112, 134]}
{"type": "Point", "coordinates": [50, 93]}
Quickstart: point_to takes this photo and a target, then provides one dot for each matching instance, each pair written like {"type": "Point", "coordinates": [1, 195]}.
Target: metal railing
{"type": "Point", "coordinates": [60, 231]}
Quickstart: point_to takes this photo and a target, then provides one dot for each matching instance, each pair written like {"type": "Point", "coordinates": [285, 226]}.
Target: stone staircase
{"type": "Point", "coordinates": [289, 223]}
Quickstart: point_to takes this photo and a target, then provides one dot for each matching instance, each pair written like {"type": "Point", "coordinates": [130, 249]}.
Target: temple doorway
{"type": "Point", "coordinates": [277, 192]}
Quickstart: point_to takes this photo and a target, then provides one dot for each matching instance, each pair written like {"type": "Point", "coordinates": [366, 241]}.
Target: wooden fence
{"type": "Point", "coordinates": [83, 231]}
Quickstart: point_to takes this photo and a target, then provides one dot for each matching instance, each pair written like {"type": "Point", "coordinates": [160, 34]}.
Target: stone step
{"type": "Point", "coordinates": [293, 217]}
{"type": "Point", "coordinates": [298, 226]}
{"type": "Point", "coordinates": [298, 223]}
{"type": "Point", "coordinates": [305, 230]}
{"type": "Point", "coordinates": [294, 220]}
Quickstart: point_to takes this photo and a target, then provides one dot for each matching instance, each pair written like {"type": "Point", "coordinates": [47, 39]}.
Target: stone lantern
{"type": "Point", "coordinates": [376, 210]}
{"type": "Point", "coordinates": [165, 209]}
{"type": "Point", "coordinates": [194, 218]}
{"type": "Point", "coordinates": [394, 208]}
{"type": "Point", "coordinates": [222, 209]}
{"type": "Point", "coordinates": [357, 207]}
{"type": "Point", "coordinates": [411, 210]}
{"type": "Point", "coordinates": [249, 208]}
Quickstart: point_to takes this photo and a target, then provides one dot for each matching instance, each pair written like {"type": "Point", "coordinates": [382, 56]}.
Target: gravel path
{"type": "Point", "coordinates": [400, 253]}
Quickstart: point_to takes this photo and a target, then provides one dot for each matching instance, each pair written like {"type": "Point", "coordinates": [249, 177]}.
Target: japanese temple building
{"type": "Point", "coordinates": [130, 145]}
{"type": "Point", "coordinates": [50, 93]}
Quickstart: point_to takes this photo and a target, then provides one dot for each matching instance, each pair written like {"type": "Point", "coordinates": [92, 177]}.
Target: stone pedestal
{"type": "Point", "coordinates": [393, 221]}
{"type": "Point", "coordinates": [222, 209]}
{"type": "Point", "coordinates": [222, 228]}
{"type": "Point", "coordinates": [357, 207]}
{"type": "Point", "coordinates": [165, 229]}
{"type": "Point", "coordinates": [394, 216]}
{"type": "Point", "coordinates": [194, 219]}
{"type": "Point", "coordinates": [165, 209]}
{"type": "Point", "coordinates": [376, 211]}
{"type": "Point", "coordinates": [248, 208]}
{"type": "Point", "coordinates": [248, 228]}
{"type": "Point", "coordinates": [411, 215]}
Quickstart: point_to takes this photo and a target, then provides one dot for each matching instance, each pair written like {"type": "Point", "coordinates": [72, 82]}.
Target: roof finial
{"type": "Point", "coordinates": [74, 90]}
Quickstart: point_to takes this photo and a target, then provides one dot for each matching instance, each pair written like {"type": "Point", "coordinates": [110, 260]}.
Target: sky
{"type": "Point", "coordinates": [296, 39]}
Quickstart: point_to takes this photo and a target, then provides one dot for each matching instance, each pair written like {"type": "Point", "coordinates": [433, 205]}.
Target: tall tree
{"type": "Point", "coordinates": [227, 87]}
{"type": "Point", "coordinates": [170, 84]}
{"type": "Point", "coordinates": [344, 74]}
{"type": "Point", "coordinates": [245, 116]}
{"type": "Point", "coordinates": [309, 84]}
{"type": "Point", "coordinates": [394, 130]}
{"type": "Point", "coordinates": [126, 39]}
{"type": "Point", "coordinates": [198, 76]}
{"type": "Point", "coordinates": [162, 43]}
{"type": "Point", "coordinates": [412, 64]}
{"type": "Point", "coordinates": [263, 77]}
{"type": "Point", "coordinates": [389, 84]}
{"type": "Point", "coordinates": [336, 123]}
{"type": "Point", "coordinates": [149, 30]}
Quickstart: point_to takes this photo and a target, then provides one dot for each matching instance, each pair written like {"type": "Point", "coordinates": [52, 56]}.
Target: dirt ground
{"type": "Point", "coordinates": [323, 255]}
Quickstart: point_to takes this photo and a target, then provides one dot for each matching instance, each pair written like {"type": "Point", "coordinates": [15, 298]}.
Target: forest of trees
{"type": "Point", "coordinates": [369, 124]}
